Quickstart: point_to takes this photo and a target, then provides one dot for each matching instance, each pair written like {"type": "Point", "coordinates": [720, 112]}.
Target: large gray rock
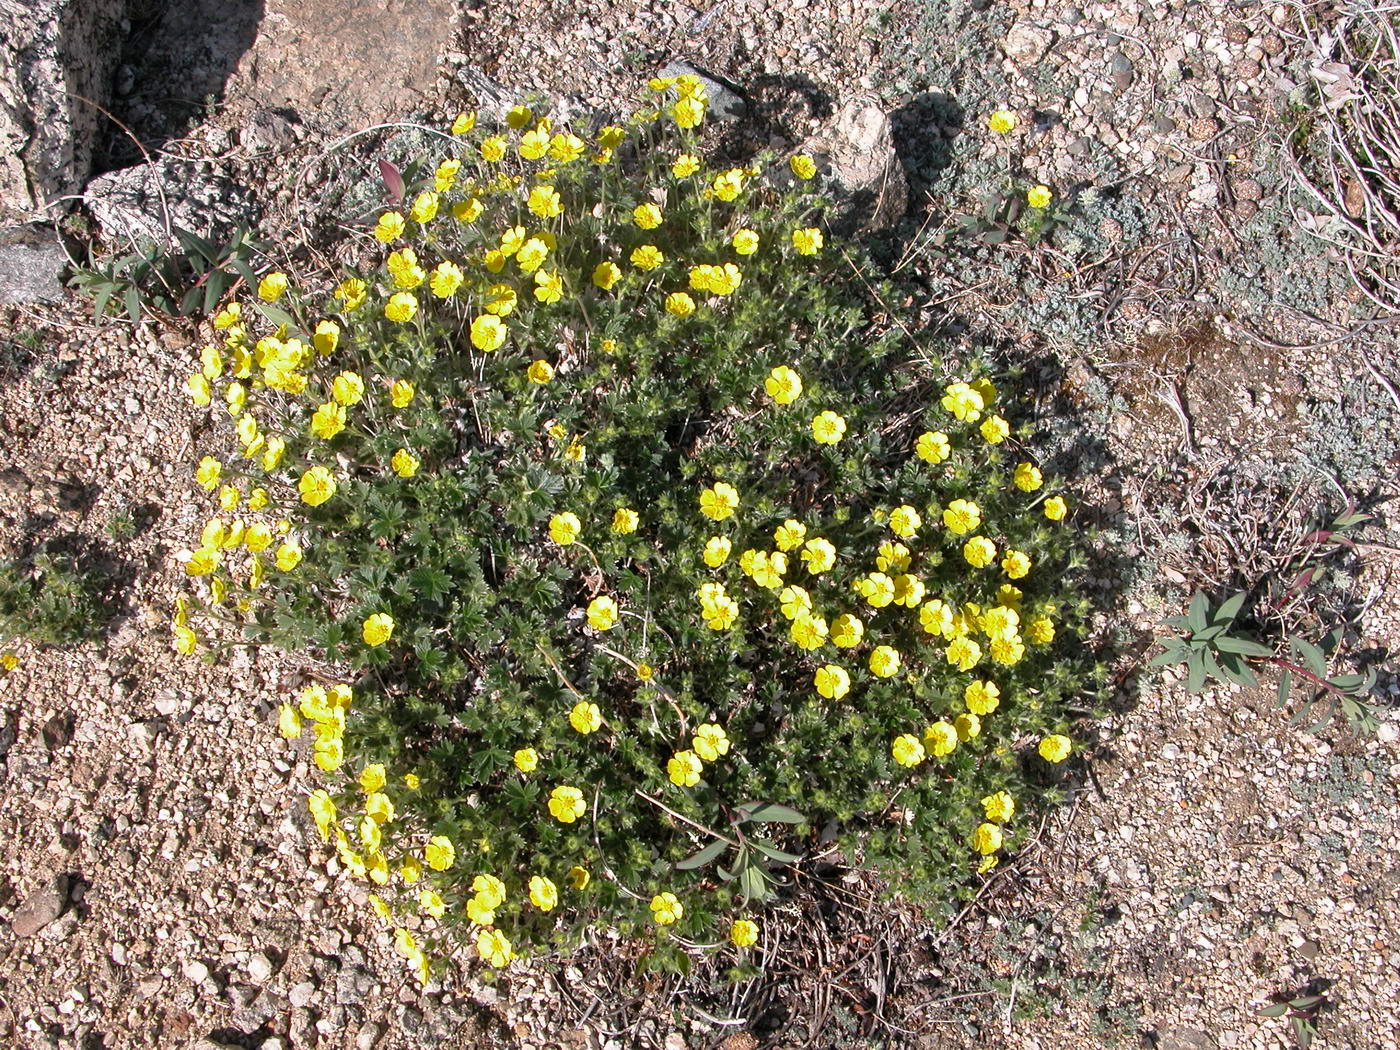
{"type": "Point", "coordinates": [32, 261]}
{"type": "Point", "coordinates": [141, 203]}
{"type": "Point", "coordinates": [856, 150]}
{"type": "Point", "coordinates": [41, 907]}
{"type": "Point", "coordinates": [57, 58]}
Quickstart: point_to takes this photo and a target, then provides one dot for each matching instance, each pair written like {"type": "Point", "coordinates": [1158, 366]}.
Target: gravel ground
{"type": "Point", "coordinates": [160, 887]}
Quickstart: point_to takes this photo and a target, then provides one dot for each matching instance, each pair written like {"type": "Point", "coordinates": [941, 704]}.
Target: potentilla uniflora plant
{"type": "Point", "coordinates": [594, 490]}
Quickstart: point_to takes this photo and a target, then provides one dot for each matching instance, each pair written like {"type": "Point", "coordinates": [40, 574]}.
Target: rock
{"type": "Point", "coordinates": [32, 261]}
{"type": "Point", "coordinates": [195, 972]}
{"type": "Point", "coordinates": [1184, 1039]}
{"type": "Point", "coordinates": [41, 907]}
{"type": "Point", "coordinates": [302, 994]}
{"type": "Point", "coordinates": [368, 1035]}
{"type": "Point", "coordinates": [1026, 44]}
{"type": "Point", "coordinates": [52, 52]}
{"type": "Point", "coordinates": [142, 202]}
{"type": "Point", "coordinates": [260, 968]}
{"type": "Point", "coordinates": [1203, 128]}
{"type": "Point", "coordinates": [726, 99]}
{"type": "Point", "coordinates": [856, 149]}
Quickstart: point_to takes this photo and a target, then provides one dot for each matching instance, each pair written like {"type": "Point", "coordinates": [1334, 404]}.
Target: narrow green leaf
{"type": "Point", "coordinates": [1311, 656]}
{"type": "Point", "coordinates": [761, 811]}
{"type": "Point", "coordinates": [277, 315]}
{"type": "Point", "coordinates": [1196, 673]}
{"type": "Point", "coordinates": [1348, 683]}
{"type": "Point", "coordinates": [1275, 1010]}
{"type": "Point", "coordinates": [1196, 617]}
{"type": "Point", "coordinates": [1229, 609]}
{"type": "Point", "coordinates": [776, 855]}
{"type": "Point", "coordinates": [132, 301]}
{"type": "Point", "coordinates": [703, 856]}
{"type": "Point", "coordinates": [1171, 656]}
{"type": "Point", "coordinates": [1285, 684]}
{"type": "Point", "coordinates": [1230, 644]}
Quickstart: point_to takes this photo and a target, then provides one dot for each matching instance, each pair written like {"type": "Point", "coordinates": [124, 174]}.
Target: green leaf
{"type": "Point", "coordinates": [1196, 673]}
{"type": "Point", "coordinates": [1196, 616]}
{"type": "Point", "coordinates": [1285, 684]}
{"type": "Point", "coordinates": [1227, 643]}
{"type": "Point", "coordinates": [277, 315]}
{"type": "Point", "coordinates": [760, 811]}
{"type": "Point", "coordinates": [776, 855]}
{"type": "Point", "coordinates": [703, 856]}
{"type": "Point", "coordinates": [752, 883]}
{"type": "Point", "coordinates": [1311, 656]}
{"type": "Point", "coordinates": [1348, 520]}
{"type": "Point", "coordinates": [132, 301]}
{"type": "Point", "coordinates": [1229, 609]}
{"type": "Point", "coordinates": [1170, 656]}
{"type": "Point", "coordinates": [1276, 1010]}
{"type": "Point", "coordinates": [1237, 670]}
{"type": "Point", "coordinates": [1348, 683]}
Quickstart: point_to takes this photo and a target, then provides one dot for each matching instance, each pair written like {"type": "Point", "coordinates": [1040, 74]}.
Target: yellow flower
{"type": "Point", "coordinates": [1002, 121]}
{"type": "Point", "coordinates": [908, 591]}
{"type": "Point", "coordinates": [967, 726]}
{"type": "Point", "coordinates": [962, 516]}
{"type": "Point", "coordinates": [716, 551]}
{"type": "Point", "coordinates": [564, 528]}
{"type": "Point", "coordinates": [606, 274]}
{"type": "Point", "coordinates": [328, 420]}
{"type": "Point", "coordinates": [666, 909]}
{"type": "Point", "coordinates": [566, 804]}
{"type": "Point", "coordinates": [208, 474]}
{"type": "Point", "coordinates": [566, 147]}
{"type": "Point", "coordinates": [544, 202]}
{"type": "Point", "coordinates": [680, 304]}
{"type": "Point", "coordinates": [540, 372]}
{"type": "Point", "coordinates": [316, 486]}
{"type": "Point", "coordinates": [905, 521]}
{"type": "Point", "coordinates": [828, 428]}
{"type": "Point", "coordinates": [493, 149]}
{"type": "Point", "coordinates": [328, 754]}
{"type": "Point", "coordinates": [933, 446]}
{"type": "Point", "coordinates": [1016, 564]}
{"type": "Point", "coordinates": [979, 552]}
{"type": "Point", "coordinates": [884, 661]}
{"type": "Point", "coordinates": [401, 393]}
{"type": "Point", "coordinates": [807, 241]}
{"type": "Point", "coordinates": [468, 210]}
{"type": "Point", "coordinates": [463, 123]}
{"type": "Point", "coordinates": [425, 207]}
{"type": "Point", "coordinates": [377, 628]}
{"type": "Point", "coordinates": [378, 807]}
{"type": "Point", "coordinates": [783, 385]}
{"type": "Point", "coordinates": [686, 165]}
{"type": "Point", "coordinates": [684, 768]}
{"type": "Point", "coordinates": [352, 293]}
{"type": "Point", "coordinates": [795, 602]}
{"type": "Point", "coordinates": [907, 750]}
{"type": "Point", "coordinates": [647, 257]}
{"type": "Point", "coordinates": [743, 932]}
{"type": "Point", "coordinates": [401, 307]}
{"type": "Point", "coordinates": [1040, 631]}
{"type": "Point", "coordinates": [999, 808]}
{"type": "Point", "coordinates": [543, 893]}
{"type": "Point", "coordinates": [647, 216]}
{"type": "Point", "coordinates": [490, 890]}
{"type": "Point", "coordinates": [808, 632]}
{"type": "Point", "coordinates": [229, 496]}
{"type": "Point", "coordinates": [602, 615]}
{"type": "Point", "coordinates": [802, 166]}
{"type": "Point", "coordinates": [789, 535]}
{"type": "Point", "coordinates": [405, 464]}
{"type": "Point", "coordinates": [728, 185]}
{"type": "Point", "coordinates": [578, 877]}
{"type": "Point", "coordinates": [488, 333]}
{"type": "Point", "coordinates": [348, 388]}
{"type": "Point", "coordinates": [532, 255]}
{"type": "Point", "coordinates": [625, 521]}
{"type": "Point", "coordinates": [941, 739]}
{"type": "Point", "coordinates": [445, 175]}
{"type": "Point", "coordinates": [446, 278]}
{"type": "Point", "coordinates": [1055, 748]}
{"type": "Point", "coordinates": [500, 299]}
{"type": "Point", "coordinates": [719, 501]}
{"type": "Point", "coordinates": [688, 112]}
{"type": "Point", "coordinates": [994, 430]}
{"type": "Point", "coordinates": [877, 589]}
{"type": "Point", "coordinates": [818, 555]}
{"type": "Point", "coordinates": [1056, 508]}
{"type": "Point", "coordinates": [981, 697]}
{"type": "Point", "coordinates": [963, 653]}
{"type": "Point", "coordinates": [272, 287]}
{"type": "Point", "coordinates": [322, 809]}
{"type": "Point", "coordinates": [198, 388]}
{"type": "Point", "coordinates": [987, 838]}
{"type": "Point", "coordinates": [439, 853]}
{"type": "Point", "coordinates": [745, 242]}
{"type": "Point", "coordinates": [1027, 477]}
{"type": "Point", "coordinates": [186, 642]}
{"type": "Point", "coordinates": [963, 402]}
{"type": "Point", "coordinates": [832, 681]}
{"type": "Point", "coordinates": [1039, 196]}
{"type": "Point", "coordinates": [585, 717]}
{"type": "Point", "coordinates": [494, 947]}
{"type": "Point", "coordinates": [847, 631]}
{"type": "Point", "coordinates": [527, 759]}
{"type": "Point", "coordinates": [710, 742]}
